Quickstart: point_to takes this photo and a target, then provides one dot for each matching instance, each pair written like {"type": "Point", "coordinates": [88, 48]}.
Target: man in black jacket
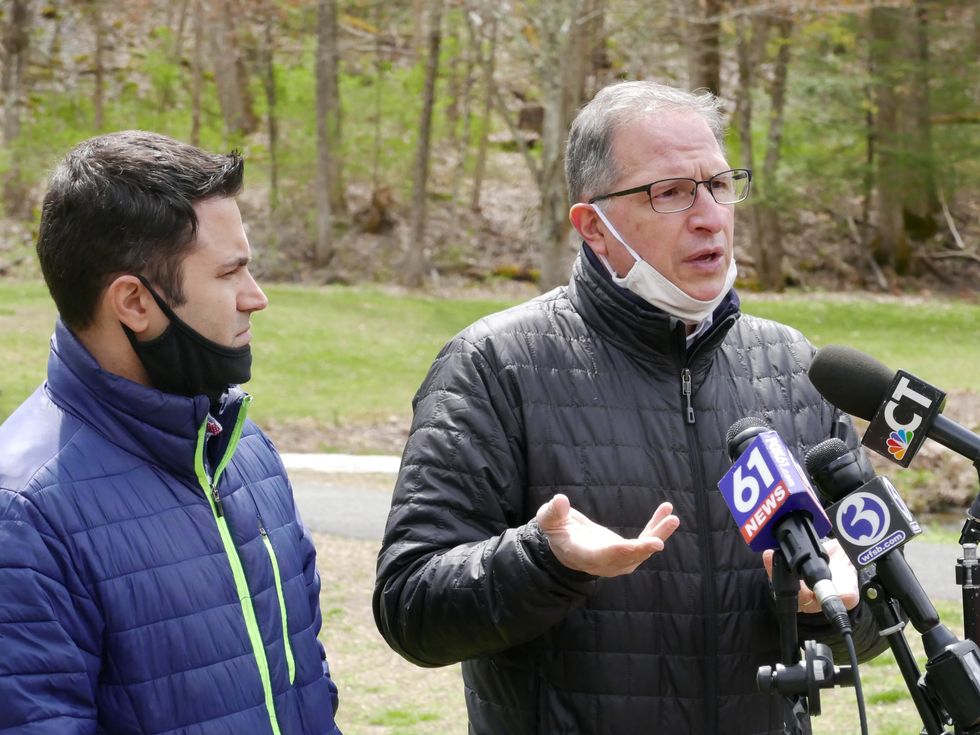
{"type": "Point", "coordinates": [521, 539]}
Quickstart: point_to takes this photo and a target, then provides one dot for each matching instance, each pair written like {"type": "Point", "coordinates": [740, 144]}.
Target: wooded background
{"type": "Point", "coordinates": [420, 140]}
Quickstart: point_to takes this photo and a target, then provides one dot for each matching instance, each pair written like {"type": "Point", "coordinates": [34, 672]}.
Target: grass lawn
{"type": "Point", "coordinates": [341, 355]}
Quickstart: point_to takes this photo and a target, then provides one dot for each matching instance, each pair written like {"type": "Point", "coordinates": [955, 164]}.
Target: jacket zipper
{"type": "Point", "coordinates": [210, 487]}
{"type": "Point", "coordinates": [687, 382]}
{"type": "Point", "coordinates": [686, 392]}
{"type": "Point", "coordinates": [710, 602]}
{"type": "Point", "coordinates": [704, 522]}
{"type": "Point", "coordinates": [287, 646]}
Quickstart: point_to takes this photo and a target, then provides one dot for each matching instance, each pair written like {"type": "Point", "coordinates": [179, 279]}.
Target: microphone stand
{"type": "Point", "coordinates": [799, 681]}
{"type": "Point", "coordinates": [968, 568]}
{"type": "Point", "coordinates": [786, 587]}
{"type": "Point", "coordinates": [891, 625]}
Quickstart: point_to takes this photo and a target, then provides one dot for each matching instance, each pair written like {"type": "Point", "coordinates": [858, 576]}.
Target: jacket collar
{"type": "Point", "coordinates": [634, 325]}
{"type": "Point", "coordinates": [161, 428]}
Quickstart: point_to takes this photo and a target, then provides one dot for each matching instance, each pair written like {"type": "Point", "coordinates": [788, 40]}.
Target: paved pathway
{"type": "Point", "coordinates": [331, 504]}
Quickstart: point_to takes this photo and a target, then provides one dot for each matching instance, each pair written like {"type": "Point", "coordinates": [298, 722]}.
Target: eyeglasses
{"type": "Point", "coordinates": [676, 195]}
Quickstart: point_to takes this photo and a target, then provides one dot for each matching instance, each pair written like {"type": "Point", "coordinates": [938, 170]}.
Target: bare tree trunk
{"type": "Point", "coordinates": [230, 74]}
{"type": "Point", "coordinates": [415, 256]}
{"type": "Point", "coordinates": [565, 29]}
{"type": "Point", "coordinates": [763, 209]}
{"type": "Point", "coordinates": [891, 246]}
{"type": "Point", "coordinates": [272, 123]}
{"type": "Point", "coordinates": [553, 226]}
{"type": "Point", "coordinates": [57, 19]}
{"type": "Point", "coordinates": [704, 54]}
{"type": "Point", "coordinates": [331, 72]}
{"type": "Point", "coordinates": [197, 72]}
{"type": "Point", "coordinates": [16, 46]}
{"type": "Point", "coordinates": [98, 99]}
{"type": "Point", "coordinates": [921, 199]}
{"type": "Point", "coordinates": [596, 34]}
{"type": "Point", "coordinates": [770, 227]}
{"type": "Point", "coordinates": [454, 83]}
{"type": "Point", "coordinates": [487, 62]}
{"type": "Point", "coordinates": [179, 33]}
{"type": "Point", "coordinates": [747, 33]}
{"type": "Point", "coordinates": [469, 62]}
{"type": "Point", "coordinates": [378, 95]}
{"type": "Point", "coordinates": [324, 251]}
{"type": "Point", "coordinates": [418, 28]}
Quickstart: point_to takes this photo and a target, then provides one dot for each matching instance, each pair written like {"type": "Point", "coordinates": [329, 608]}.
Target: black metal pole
{"type": "Point", "coordinates": [891, 626]}
{"type": "Point", "coordinates": [786, 588]}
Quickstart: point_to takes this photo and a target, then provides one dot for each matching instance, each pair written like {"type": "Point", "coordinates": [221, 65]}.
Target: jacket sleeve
{"type": "Point", "coordinates": [463, 570]}
{"type": "Point", "coordinates": [50, 650]}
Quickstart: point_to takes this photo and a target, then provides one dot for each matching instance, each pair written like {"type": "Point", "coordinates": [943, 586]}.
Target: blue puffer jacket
{"type": "Point", "coordinates": [154, 576]}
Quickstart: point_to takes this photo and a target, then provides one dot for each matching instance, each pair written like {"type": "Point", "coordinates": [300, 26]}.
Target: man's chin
{"type": "Point", "coordinates": [705, 292]}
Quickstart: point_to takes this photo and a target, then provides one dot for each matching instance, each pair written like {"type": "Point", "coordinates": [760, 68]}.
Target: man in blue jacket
{"type": "Point", "coordinates": [154, 574]}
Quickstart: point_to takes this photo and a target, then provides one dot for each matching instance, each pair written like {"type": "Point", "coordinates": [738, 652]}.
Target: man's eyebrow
{"type": "Point", "coordinates": [237, 262]}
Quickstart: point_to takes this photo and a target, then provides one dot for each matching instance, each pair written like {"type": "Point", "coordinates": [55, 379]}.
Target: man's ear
{"type": "Point", "coordinates": [586, 222]}
{"type": "Point", "coordinates": [128, 301]}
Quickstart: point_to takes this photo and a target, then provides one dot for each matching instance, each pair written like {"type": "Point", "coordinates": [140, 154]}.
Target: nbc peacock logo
{"type": "Point", "coordinates": [898, 442]}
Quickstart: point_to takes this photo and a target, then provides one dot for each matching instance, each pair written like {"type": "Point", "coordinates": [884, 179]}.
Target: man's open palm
{"type": "Point", "coordinates": [584, 545]}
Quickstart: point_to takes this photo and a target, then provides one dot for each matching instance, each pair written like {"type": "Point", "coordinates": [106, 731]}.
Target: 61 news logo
{"type": "Point", "coordinates": [872, 521]}
{"type": "Point", "coordinates": [764, 482]}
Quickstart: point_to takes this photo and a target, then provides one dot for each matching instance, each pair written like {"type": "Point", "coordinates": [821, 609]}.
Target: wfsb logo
{"type": "Point", "coordinates": [902, 421]}
{"type": "Point", "coordinates": [872, 521]}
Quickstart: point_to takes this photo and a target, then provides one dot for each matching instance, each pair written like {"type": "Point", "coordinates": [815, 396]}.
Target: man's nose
{"type": "Point", "coordinates": [254, 298]}
{"type": "Point", "coordinates": [706, 213]}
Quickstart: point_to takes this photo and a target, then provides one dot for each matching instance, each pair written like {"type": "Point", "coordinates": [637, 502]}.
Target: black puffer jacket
{"type": "Point", "coordinates": [580, 392]}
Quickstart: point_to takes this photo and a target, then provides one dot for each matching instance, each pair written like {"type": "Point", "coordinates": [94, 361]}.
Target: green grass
{"type": "Point", "coordinates": [342, 354]}
{"type": "Point", "coordinates": [402, 717]}
{"type": "Point", "coordinates": [26, 321]}
{"type": "Point", "coordinates": [889, 707]}
{"type": "Point", "coordinates": [937, 340]}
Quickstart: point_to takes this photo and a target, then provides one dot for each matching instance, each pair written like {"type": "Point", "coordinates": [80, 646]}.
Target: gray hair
{"type": "Point", "coordinates": [590, 167]}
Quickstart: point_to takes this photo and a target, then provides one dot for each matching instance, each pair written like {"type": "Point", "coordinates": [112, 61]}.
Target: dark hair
{"type": "Point", "coordinates": [124, 203]}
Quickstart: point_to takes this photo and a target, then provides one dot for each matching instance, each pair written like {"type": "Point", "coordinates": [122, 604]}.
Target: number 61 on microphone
{"type": "Point", "coordinates": [765, 484]}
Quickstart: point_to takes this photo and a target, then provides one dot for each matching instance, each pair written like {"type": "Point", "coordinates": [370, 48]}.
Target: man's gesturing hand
{"type": "Point", "coordinates": [583, 545]}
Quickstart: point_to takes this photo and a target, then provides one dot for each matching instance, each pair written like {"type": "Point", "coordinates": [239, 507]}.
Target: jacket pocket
{"type": "Point", "coordinates": [287, 646]}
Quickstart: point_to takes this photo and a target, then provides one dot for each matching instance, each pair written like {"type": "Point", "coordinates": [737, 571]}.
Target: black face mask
{"type": "Point", "coordinates": [184, 362]}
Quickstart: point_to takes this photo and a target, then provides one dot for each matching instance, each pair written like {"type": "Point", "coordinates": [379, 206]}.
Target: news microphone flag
{"type": "Point", "coordinates": [766, 483]}
{"type": "Point", "coordinates": [901, 422]}
{"type": "Point", "coordinates": [871, 521]}
{"type": "Point", "coordinates": [902, 409]}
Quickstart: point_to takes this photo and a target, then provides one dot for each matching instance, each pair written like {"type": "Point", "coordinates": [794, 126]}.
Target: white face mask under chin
{"type": "Point", "coordinates": [650, 285]}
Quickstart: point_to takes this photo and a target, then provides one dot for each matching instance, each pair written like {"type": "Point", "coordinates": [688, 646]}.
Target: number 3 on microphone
{"type": "Point", "coordinates": [746, 489]}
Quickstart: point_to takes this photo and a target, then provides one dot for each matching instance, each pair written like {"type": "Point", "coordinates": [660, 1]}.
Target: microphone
{"type": "Point", "coordinates": [775, 508]}
{"type": "Point", "coordinates": [902, 409]}
{"type": "Point", "coordinates": [868, 513]}
{"type": "Point", "coordinates": [871, 521]}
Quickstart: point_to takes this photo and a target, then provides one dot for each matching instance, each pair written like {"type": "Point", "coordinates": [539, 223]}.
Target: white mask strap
{"type": "Point", "coordinates": [615, 233]}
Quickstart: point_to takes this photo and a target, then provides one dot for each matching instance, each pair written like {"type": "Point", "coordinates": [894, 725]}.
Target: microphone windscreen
{"type": "Point", "coordinates": [851, 380]}
{"type": "Point", "coordinates": [741, 433]}
{"type": "Point", "coordinates": [824, 453]}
